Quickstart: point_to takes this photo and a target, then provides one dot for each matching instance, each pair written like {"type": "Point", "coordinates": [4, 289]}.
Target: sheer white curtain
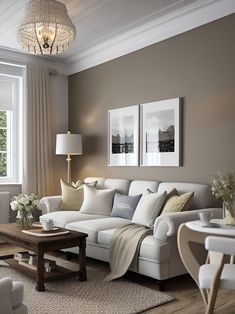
{"type": "Point", "coordinates": [37, 144]}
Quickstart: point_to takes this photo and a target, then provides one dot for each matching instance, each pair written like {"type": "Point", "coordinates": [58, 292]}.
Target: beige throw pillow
{"type": "Point", "coordinates": [149, 208]}
{"type": "Point", "coordinates": [72, 195]}
{"type": "Point", "coordinates": [177, 203]}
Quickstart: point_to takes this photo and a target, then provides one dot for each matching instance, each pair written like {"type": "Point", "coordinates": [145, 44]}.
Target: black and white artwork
{"type": "Point", "coordinates": [123, 136]}
{"type": "Point", "coordinates": [161, 133]}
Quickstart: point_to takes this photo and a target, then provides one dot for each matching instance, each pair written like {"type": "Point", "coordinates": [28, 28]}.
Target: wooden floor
{"type": "Point", "coordinates": [187, 299]}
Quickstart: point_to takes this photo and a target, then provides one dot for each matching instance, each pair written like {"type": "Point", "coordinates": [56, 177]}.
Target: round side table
{"type": "Point", "coordinates": [196, 232]}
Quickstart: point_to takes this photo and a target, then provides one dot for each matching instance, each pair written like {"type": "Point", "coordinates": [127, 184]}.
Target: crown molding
{"type": "Point", "coordinates": [182, 20]}
{"type": "Point", "coordinates": [12, 56]}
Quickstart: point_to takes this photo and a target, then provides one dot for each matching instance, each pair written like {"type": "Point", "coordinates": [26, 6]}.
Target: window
{"type": "Point", "coordinates": [10, 127]}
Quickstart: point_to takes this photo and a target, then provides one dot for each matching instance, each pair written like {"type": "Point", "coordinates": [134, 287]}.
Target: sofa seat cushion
{"type": "Point", "coordinates": [17, 293]}
{"type": "Point", "coordinates": [151, 249]}
{"type": "Point", "coordinates": [62, 218]}
{"type": "Point", "coordinates": [92, 227]}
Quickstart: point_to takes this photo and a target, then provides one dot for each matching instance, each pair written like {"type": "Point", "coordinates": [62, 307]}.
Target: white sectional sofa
{"type": "Point", "coordinates": [158, 256]}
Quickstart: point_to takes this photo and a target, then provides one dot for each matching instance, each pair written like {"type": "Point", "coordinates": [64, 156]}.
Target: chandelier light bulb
{"type": "Point", "coordinates": [46, 29]}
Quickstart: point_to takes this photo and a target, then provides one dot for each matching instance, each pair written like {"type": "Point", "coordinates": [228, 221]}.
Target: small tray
{"type": "Point", "coordinates": [40, 233]}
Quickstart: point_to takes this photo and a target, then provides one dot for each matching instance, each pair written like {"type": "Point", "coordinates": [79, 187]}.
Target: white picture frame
{"type": "Point", "coordinates": [123, 136]}
{"type": "Point", "coordinates": [161, 142]}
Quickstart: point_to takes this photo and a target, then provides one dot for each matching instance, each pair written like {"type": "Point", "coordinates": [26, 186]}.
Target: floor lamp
{"type": "Point", "coordinates": [68, 144]}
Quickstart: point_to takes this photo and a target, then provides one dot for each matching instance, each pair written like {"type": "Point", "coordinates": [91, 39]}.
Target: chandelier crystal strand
{"type": "Point", "coordinates": [46, 29]}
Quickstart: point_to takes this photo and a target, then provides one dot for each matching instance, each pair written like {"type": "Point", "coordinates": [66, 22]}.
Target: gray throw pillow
{"type": "Point", "coordinates": [124, 206]}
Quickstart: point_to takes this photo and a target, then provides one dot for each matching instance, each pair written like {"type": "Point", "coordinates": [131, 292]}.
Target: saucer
{"type": "Point", "coordinates": [210, 225]}
{"type": "Point", "coordinates": [53, 229]}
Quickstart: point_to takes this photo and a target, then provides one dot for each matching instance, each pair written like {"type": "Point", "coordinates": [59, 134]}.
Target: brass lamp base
{"type": "Point", "coordinates": [69, 168]}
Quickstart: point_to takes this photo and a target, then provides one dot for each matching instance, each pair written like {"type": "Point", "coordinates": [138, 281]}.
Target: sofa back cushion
{"type": "Point", "coordinates": [97, 201]}
{"type": "Point", "coordinates": [124, 205]}
{"type": "Point", "coordinates": [202, 192]}
{"type": "Point", "coordinates": [100, 181]}
{"type": "Point", "coordinates": [141, 187]}
{"type": "Point", "coordinates": [119, 185]}
{"type": "Point", "coordinates": [202, 197]}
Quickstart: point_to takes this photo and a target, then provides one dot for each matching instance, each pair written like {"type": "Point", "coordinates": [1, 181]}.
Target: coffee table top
{"type": "Point", "coordinates": [10, 230]}
{"type": "Point", "coordinates": [215, 227]}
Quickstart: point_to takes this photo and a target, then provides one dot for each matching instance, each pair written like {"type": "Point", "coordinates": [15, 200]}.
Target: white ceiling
{"type": "Point", "coordinates": [109, 28]}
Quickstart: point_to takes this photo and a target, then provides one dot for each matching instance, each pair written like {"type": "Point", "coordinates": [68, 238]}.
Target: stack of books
{"type": "Point", "coordinates": [26, 264]}
{"type": "Point", "coordinates": [29, 259]}
{"type": "Point", "coordinates": [22, 256]}
{"type": "Point", "coordinates": [49, 265]}
{"type": "Point", "coordinates": [32, 259]}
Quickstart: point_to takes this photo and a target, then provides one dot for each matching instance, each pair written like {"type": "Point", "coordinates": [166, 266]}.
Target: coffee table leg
{"type": "Point", "coordinates": [82, 260]}
{"type": "Point", "coordinates": [40, 271]}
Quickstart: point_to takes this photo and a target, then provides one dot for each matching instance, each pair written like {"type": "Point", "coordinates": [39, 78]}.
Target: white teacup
{"type": "Point", "coordinates": [205, 217]}
{"type": "Point", "coordinates": [47, 224]}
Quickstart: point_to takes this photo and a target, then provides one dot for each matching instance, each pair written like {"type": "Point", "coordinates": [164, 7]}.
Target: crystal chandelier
{"type": "Point", "coordinates": [46, 28]}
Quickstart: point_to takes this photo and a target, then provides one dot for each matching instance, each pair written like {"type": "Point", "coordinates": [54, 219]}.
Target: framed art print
{"type": "Point", "coordinates": [123, 136]}
{"type": "Point", "coordinates": [161, 133]}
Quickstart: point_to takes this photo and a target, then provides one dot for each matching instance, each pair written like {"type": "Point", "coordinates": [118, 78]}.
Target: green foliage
{"type": "Point", "coordinates": [3, 165]}
{"type": "Point", "coordinates": [3, 140]}
{"type": "Point", "coordinates": [3, 143]}
{"type": "Point", "coordinates": [3, 119]}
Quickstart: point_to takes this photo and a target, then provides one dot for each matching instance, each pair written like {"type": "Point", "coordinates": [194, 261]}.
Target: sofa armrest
{"type": "Point", "coordinates": [50, 204]}
{"type": "Point", "coordinates": [5, 295]}
{"type": "Point", "coordinates": [167, 225]}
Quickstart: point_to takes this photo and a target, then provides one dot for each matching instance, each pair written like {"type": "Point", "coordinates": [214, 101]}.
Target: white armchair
{"type": "Point", "coordinates": [11, 297]}
{"type": "Point", "coordinates": [217, 274]}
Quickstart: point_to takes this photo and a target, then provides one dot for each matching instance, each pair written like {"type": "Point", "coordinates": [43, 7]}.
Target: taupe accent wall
{"type": "Point", "coordinates": [199, 66]}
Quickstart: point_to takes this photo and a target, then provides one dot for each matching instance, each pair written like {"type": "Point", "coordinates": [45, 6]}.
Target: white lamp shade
{"type": "Point", "coordinates": [68, 144]}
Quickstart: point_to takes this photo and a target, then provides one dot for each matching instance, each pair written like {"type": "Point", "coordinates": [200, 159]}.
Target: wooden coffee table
{"type": "Point", "coordinates": [39, 245]}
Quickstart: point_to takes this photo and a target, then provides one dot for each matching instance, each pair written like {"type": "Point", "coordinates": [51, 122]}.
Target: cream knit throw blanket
{"type": "Point", "coordinates": [124, 249]}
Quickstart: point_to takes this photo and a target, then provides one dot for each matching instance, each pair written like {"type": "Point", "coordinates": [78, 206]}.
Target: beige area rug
{"type": "Point", "coordinates": [70, 296]}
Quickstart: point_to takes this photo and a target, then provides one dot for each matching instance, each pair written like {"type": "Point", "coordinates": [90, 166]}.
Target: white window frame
{"type": "Point", "coordinates": [14, 141]}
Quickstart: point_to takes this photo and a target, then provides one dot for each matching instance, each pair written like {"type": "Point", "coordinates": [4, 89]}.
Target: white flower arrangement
{"type": "Point", "coordinates": [223, 186]}
{"type": "Point", "coordinates": [24, 202]}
